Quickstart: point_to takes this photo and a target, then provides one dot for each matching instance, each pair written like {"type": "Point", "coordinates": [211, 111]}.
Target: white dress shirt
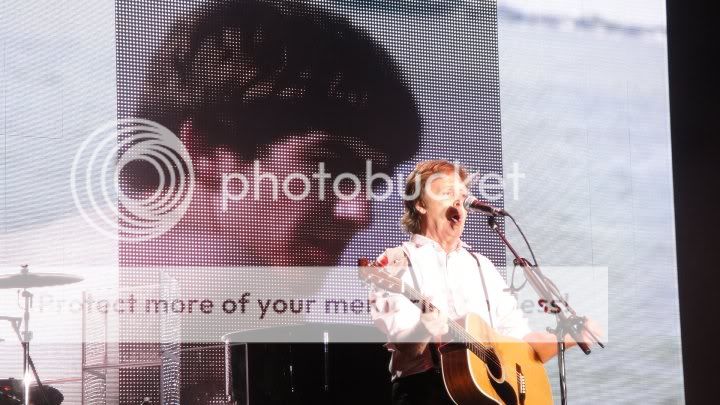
{"type": "Point", "coordinates": [452, 283]}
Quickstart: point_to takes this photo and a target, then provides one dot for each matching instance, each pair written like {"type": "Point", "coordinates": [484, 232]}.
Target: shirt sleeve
{"type": "Point", "coordinates": [393, 313]}
{"type": "Point", "coordinates": [508, 319]}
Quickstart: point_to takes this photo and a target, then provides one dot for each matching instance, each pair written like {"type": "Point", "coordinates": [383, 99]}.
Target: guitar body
{"type": "Point", "coordinates": [479, 366]}
{"type": "Point", "coordinates": [520, 378]}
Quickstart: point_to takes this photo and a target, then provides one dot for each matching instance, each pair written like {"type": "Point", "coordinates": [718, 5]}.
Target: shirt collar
{"type": "Point", "coordinates": [421, 240]}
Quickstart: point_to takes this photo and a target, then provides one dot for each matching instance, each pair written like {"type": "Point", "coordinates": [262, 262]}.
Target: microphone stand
{"type": "Point", "coordinates": [550, 300]}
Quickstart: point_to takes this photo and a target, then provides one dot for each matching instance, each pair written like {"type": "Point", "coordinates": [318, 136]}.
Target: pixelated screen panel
{"type": "Point", "coordinates": [290, 85]}
{"type": "Point", "coordinates": [293, 86]}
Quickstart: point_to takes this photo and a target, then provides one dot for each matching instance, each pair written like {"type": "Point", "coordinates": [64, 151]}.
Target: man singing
{"type": "Point", "coordinates": [437, 263]}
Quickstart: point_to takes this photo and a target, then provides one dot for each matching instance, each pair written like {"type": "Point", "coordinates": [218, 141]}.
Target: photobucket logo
{"type": "Point", "coordinates": [243, 186]}
{"type": "Point", "coordinates": [96, 173]}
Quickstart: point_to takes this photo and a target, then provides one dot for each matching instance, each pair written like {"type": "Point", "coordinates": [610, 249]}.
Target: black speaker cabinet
{"type": "Point", "coordinates": [323, 370]}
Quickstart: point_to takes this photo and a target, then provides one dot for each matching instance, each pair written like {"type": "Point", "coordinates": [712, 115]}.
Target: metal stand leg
{"type": "Point", "coordinates": [561, 369]}
{"type": "Point", "coordinates": [26, 372]}
{"type": "Point", "coordinates": [25, 337]}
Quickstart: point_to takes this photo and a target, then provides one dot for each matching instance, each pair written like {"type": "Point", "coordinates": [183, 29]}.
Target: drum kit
{"type": "Point", "coordinates": [23, 281]}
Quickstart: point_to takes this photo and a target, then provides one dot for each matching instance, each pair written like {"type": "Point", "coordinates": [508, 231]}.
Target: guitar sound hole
{"type": "Point", "coordinates": [493, 365]}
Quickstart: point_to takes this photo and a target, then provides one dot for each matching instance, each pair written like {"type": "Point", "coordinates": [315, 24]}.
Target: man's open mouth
{"type": "Point", "coordinates": [454, 215]}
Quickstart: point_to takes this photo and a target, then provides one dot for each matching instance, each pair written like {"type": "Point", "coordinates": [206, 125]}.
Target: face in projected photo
{"type": "Point", "coordinates": [273, 89]}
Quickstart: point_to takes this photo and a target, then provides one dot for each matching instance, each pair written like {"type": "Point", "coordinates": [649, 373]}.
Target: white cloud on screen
{"type": "Point", "coordinates": [646, 13]}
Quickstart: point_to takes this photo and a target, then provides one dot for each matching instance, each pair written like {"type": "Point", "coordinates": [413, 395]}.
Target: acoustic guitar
{"type": "Point", "coordinates": [479, 366]}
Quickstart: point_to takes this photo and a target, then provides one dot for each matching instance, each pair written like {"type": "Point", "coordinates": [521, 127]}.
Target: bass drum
{"type": "Point", "coordinates": [324, 371]}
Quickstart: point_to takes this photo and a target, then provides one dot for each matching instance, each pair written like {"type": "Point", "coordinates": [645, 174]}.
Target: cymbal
{"type": "Point", "coordinates": [34, 280]}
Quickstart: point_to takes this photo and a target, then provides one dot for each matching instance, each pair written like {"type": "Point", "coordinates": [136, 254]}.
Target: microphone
{"type": "Point", "coordinates": [473, 204]}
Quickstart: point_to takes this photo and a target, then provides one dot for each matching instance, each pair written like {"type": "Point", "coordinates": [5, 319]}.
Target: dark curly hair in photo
{"type": "Point", "coordinates": [249, 72]}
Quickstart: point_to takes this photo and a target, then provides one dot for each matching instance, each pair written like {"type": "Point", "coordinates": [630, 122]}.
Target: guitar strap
{"type": "Point", "coordinates": [432, 347]}
{"type": "Point", "coordinates": [487, 297]}
{"type": "Point", "coordinates": [416, 285]}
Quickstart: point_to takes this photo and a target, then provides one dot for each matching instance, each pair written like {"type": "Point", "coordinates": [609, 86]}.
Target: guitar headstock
{"type": "Point", "coordinates": [373, 273]}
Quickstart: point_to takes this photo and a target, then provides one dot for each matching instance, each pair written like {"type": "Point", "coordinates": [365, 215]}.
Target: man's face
{"type": "Point", "coordinates": [281, 228]}
{"type": "Point", "coordinates": [442, 205]}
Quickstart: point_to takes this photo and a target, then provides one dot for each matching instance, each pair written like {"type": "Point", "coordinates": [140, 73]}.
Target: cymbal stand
{"type": "Point", "coordinates": [25, 336]}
